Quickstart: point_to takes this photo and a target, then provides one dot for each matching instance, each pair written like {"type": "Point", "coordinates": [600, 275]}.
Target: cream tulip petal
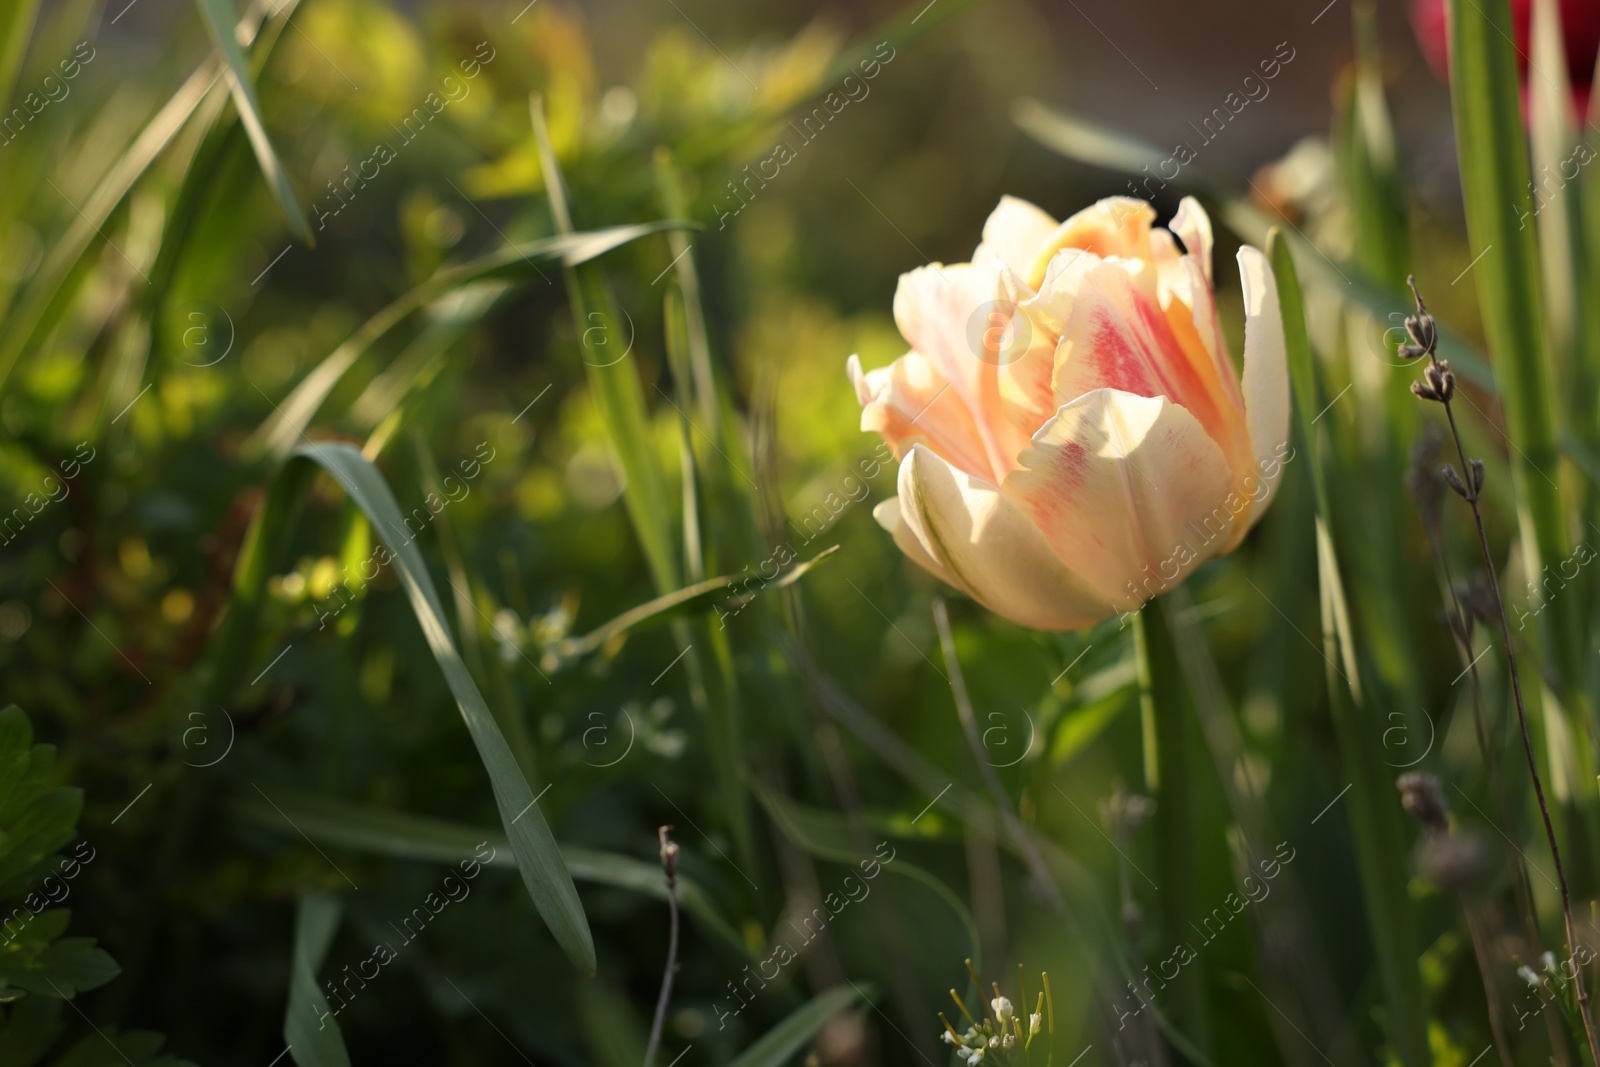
{"type": "Point", "coordinates": [1193, 227]}
{"type": "Point", "coordinates": [887, 512]}
{"type": "Point", "coordinates": [1119, 337]}
{"type": "Point", "coordinates": [910, 402]}
{"type": "Point", "coordinates": [1014, 233]}
{"type": "Point", "coordinates": [1116, 226]}
{"type": "Point", "coordinates": [1266, 378]}
{"type": "Point", "coordinates": [991, 550]}
{"type": "Point", "coordinates": [948, 313]}
{"type": "Point", "coordinates": [1130, 491]}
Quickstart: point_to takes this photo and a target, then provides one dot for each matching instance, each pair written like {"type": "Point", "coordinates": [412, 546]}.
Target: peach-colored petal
{"type": "Point", "coordinates": [1266, 377]}
{"type": "Point", "coordinates": [949, 314]}
{"type": "Point", "coordinates": [1118, 337]}
{"type": "Point", "coordinates": [909, 402]}
{"type": "Point", "coordinates": [1127, 490]}
{"type": "Point", "coordinates": [990, 549]}
{"type": "Point", "coordinates": [1193, 227]}
{"type": "Point", "coordinates": [1014, 233]}
{"type": "Point", "coordinates": [1116, 226]}
{"type": "Point", "coordinates": [887, 513]}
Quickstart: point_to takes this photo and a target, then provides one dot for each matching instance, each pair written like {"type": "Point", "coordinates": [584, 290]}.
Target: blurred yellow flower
{"type": "Point", "coordinates": [1072, 435]}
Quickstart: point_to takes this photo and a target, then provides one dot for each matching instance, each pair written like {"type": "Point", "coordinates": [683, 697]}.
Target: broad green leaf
{"type": "Point", "coordinates": [780, 1044]}
{"type": "Point", "coordinates": [36, 816]}
{"type": "Point", "coordinates": [109, 1047]}
{"type": "Point", "coordinates": [309, 1027]}
{"type": "Point", "coordinates": [220, 18]}
{"type": "Point", "coordinates": [38, 959]}
{"type": "Point", "coordinates": [28, 1028]}
{"type": "Point", "coordinates": [543, 872]}
{"type": "Point", "coordinates": [692, 598]}
{"type": "Point", "coordinates": [416, 837]}
{"type": "Point", "coordinates": [279, 434]}
{"type": "Point", "coordinates": [1382, 857]}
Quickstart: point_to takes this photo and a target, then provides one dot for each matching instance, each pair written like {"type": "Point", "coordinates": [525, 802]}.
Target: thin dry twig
{"type": "Point", "coordinates": [1468, 484]}
{"type": "Point", "coordinates": [669, 864]}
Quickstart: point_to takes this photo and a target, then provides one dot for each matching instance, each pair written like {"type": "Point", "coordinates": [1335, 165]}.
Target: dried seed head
{"type": "Point", "coordinates": [1454, 481]}
{"type": "Point", "coordinates": [1423, 391]}
{"type": "Point", "coordinates": [1424, 332]}
{"type": "Point", "coordinates": [1441, 379]}
{"type": "Point", "coordinates": [1423, 800]}
{"type": "Point", "coordinates": [1477, 475]}
{"type": "Point", "coordinates": [669, 852]}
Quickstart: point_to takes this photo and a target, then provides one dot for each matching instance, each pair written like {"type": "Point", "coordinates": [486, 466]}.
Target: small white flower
{"type": "Point", "coordinates": [1002, 1009]}
{"type": "Point", "coordinates": [977, 1057]}
{"type": "Point", "coordinates": [1527, 975]}
{"type": "Point", "coordinates": [1008, 1041]}
{"type": "Point", "coordinates": [1035, 1023]}
{"type": "Point", "coordinates": [994, 1042]}
{"type": "Point", "coordinates": [948, 1038]}
{"type": "Point", "coordinates": [1549, 961]}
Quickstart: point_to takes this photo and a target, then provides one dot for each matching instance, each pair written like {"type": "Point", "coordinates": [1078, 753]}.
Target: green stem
{"type": "Point", "coordinates": [1169, 777]}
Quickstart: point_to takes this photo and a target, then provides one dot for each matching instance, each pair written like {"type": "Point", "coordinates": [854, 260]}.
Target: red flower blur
{"type": "Point", "coordinates": [1580, 27]}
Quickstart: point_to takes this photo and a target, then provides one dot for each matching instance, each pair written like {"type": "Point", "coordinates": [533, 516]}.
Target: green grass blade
{"type": "Point", "coordinates": [544, 873]}
{"type": "Point", "coordinates": [309, 1028]}
{"type": "Point", "coordinates": [1382, 857]}
{"type": "Point", "coordinates": [415, 837]}
{"type": "Point", "coordinates": [1170, 775]}
{"type": "Point", "coordinates": [16, 28]}
{"type": "Point", "coordinates": [279, 434]}
{"type": "Point", "coordinates": [220, 18]}
{"type": "Point", "coordinates": [832, 837]}
{"type": "Point", "coordinates": [614, 383]}
{"type": "Point", "coordinates": [1485, 96]}
{"type": "Point", "coordinates": [779, 1045]}
{"type": "Point", "coordinates": [1564, 202]}
{"type": "Point", "coordinates": [52, 288]}
{"type": "Point", "coordinates": [691, 598]}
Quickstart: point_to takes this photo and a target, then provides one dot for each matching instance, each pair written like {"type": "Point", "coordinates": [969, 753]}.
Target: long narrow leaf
{"type": "Point", "coordinates": [1381, 853]}
{"type": "Point", "coordinates": [309, 1027]}
{"type": "Point", "coordinates": [779, 1045]}
{"type": "Point", "coordinates": [1486, 98]}
{"type": "Point", "coordinates": [219, 18]}
{"type": "Point", "coordinates": [543, 871]}
{"type": "Point", "coordinates": [280, 433]}
{"type": "Point", "coordinates": [16, 27]}
{"type": "Point", "coordinates": [417, 837]}
{"type": "Point", "coordinates": [695, 597]}
{"type": "Point", "coordinates": [49, 291]}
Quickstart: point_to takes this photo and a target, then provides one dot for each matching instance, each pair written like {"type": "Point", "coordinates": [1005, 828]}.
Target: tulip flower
{"type": "Point", "coordinates": [1580, 33]}
{"type": "Point", "coordinates": [1072, 435]}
